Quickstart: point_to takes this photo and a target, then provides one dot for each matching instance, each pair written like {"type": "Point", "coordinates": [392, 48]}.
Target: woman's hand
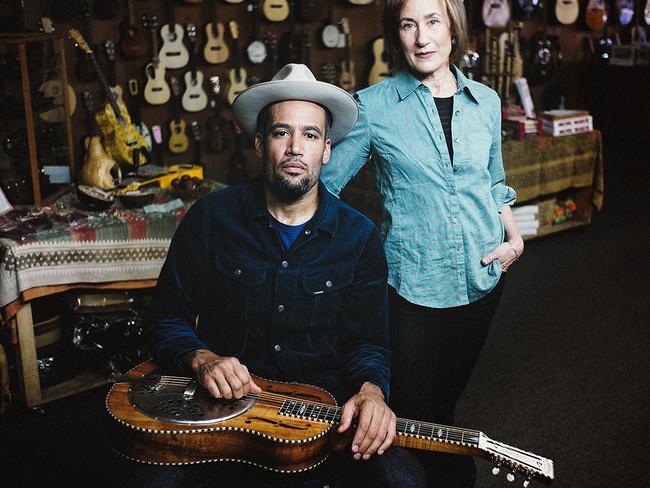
{"type": "Point", "coordinates": [507, 253]}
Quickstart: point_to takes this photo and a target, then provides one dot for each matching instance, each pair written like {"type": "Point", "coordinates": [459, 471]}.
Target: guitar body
{"type": "Point", "coordinates": [567, 11]}
{"type": "Point", "coordinates": [216, 50]}
{"type": "Point", "coordinates": [178, 140]}
{"type": "Point", "coordinates": [119, 139]}
{"type": "Point", "coordinates": [156, 90]}
{"type": "Point", "coordinates": [625, 10]}
{"type": "Point", "coordinates": [596, 14]}
{"type": "Point", "coordinates": [173, 53]}
{"type": "Point", "coordinates": [194, 98]}
{"type": "Point", "coordinates": [54, 89]}
{"type": "Point", "coordinates": [257, 434]}
{"type": "Point", "coordinates": [380, 69]}
{"type": "Point", "coordinates": [348, 80]}
{"type": "Point", "coordinates": [237, 84]}
{"type": "Point", "coordinates": [496, 13]}
{"type": "Point", "coordinates": [275, 10]}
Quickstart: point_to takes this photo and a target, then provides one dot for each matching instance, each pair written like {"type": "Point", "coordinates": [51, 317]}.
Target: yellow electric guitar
{"type": "Point", "coordinates": [347, 80]}
{"type": "Point", "coordinates": [237, 75]}
{"type": "Point", "coordinates": [122, 140]}
{"type": "Point", "coordinates": [178, 140]}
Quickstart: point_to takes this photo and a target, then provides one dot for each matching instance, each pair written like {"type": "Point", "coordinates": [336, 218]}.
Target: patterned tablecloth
{"type": "Point", "coordinates": [116, 245]}
{"type": "Point", "coordinates": [534, 168]}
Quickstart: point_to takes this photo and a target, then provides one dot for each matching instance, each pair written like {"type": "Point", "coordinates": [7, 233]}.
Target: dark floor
{"type": "Point", "coordinates": [562, 373]}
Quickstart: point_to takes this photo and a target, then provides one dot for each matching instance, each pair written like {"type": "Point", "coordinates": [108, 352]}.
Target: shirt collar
{"type": "Point", "coordinates": [406, 83]}
{"type": "Point", "coordinates": [325, 218]}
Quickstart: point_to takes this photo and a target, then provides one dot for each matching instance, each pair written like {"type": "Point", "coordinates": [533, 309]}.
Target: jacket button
{"type": "Point", "coordinates": [280, 308]}
{"type": "Point", "coordinates": [237, 272]}
{"type": "Point", "coordinates": [307, 232]}
{"type": "Point", "coordinates": [277, 348]}
{"type": "Point", "coordinates": [457, 140]}
{"type": "Point", "coordinates": [328, 284]}
{"type": "Point", "coordinates": [284, 264]}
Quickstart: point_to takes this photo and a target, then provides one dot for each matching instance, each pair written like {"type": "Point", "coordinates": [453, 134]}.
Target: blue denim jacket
{"type": "Point", "coordinates": [315, 313]}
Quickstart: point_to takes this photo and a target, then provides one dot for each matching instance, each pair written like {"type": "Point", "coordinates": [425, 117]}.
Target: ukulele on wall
{"type": "Point", "coordinates": [133, 40]}
{"type": "Point", "coordinates": [216, 50]}
{"type": "Point", "coordinates": [194, 98]}
{"type": "Point", "coordinates": [178, 140]}
{"type": "Point", "coordinates": [121, 139]}
{"type": "Point", "coordinates": [256, 49]}
{"type": "Point", "coordinates": [567, 11]}
{"type": "Point", "coordinates": [173, 53]}
{"type": "Point", "coordinates": [217, 142]}
{"type": "Point", "coordinates": [237, 75]}
{"type": "Point", "coordinates": [275, 10]}
{"type": "Point", "coordinates": [380, 69]}
{"type": "Point", "coordinates": [156, 90]}
{"type": "Point", "coordinates": [347, 79]}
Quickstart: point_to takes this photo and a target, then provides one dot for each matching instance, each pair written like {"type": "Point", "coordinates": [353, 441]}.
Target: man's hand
{"type": "Point", "coordinates": [223, 377]}
{"type": "Point", "coordinates": [376, 422]}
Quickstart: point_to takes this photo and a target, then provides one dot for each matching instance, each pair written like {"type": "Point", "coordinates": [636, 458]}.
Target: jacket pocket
{"type": "Point", "coordinates": [240, 286]}
{"type": "Point", "coordinates": [322, 290]}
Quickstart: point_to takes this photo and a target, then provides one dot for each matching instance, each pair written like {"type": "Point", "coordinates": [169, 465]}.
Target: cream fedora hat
{"type": "Point", "coordinates": [296, 82]}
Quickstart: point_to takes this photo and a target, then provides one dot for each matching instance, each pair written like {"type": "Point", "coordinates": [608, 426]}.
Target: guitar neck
{"type": "Point", "coordinates": [110, 96]}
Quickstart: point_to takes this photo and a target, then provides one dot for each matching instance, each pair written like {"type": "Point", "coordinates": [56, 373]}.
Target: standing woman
{"type": "Point", "coordinates": [434, 139]}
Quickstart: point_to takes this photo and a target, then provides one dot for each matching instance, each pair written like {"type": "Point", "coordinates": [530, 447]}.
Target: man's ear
{"type": "Point", "coordinates": [327, 152]}
{"type": "Point", "coordinates": [259, 145]}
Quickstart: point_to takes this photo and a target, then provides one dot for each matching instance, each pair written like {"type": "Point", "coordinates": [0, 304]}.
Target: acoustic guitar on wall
{"type": "Point", "coordinates": [216, 50]}
{"type": "Point", "coordinates": [380, 68]}
{"type": "Point", "coordinates": [237, 75]}
{"type": "Point", "coordinates": [156, 90]}
{"type": "Point", "coordinates": [275, 10]}
{"type": "Point", "coordinates": [194, 97]}
{"type": "Point", "coordinates": [567, 11]}
{"type": "Point", "coordinates": [173, 53]}
{"type": "Point", "coordinates": [178, 140]}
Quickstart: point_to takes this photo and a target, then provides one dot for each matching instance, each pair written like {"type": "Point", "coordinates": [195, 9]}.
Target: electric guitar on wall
{"type": "Point", "coordinates": [133, 41]}
{"type": "Point", "coordinates": [275, 10]}
{"type": "Point", "coordinates": [216, 50]}
{"type": "Point", "coordinates": [347, 80]}
{"type": "Point", "coordinates": [288, 427]}
{"type": "Point", "coordinates": [156, 90]}
{"type": "Point", "coordinates": [173, 53]}
{"type": "Point", "coordinates": [194, 98]}
{"type": "Point", "coordinates": [121, 139]}
{"type": "Point", "coordinates": [237, 75]}
{"type": "Point", "coordinates": [178, 140]}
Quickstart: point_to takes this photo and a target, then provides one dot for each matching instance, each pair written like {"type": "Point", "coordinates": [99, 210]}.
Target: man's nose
{"type": "Point", "coordinates": [295, 146]}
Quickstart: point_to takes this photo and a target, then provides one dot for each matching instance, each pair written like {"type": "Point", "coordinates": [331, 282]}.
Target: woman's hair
{"type": "Point", "coordinates": [457, 24]}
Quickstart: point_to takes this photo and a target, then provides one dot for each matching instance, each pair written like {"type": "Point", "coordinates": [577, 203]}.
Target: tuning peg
{"type": "Point", "coordinates": [510, 477]}
{"type": "Point", "coordinates": [526, 483]}
{"type": "Point", "coordinates": [496, 470]}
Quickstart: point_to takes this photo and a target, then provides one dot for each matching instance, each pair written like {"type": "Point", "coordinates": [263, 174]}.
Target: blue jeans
{"type": "Point", "coordinates": [433, 354]}
{"type": "Point", "coordinates": [396, 468]}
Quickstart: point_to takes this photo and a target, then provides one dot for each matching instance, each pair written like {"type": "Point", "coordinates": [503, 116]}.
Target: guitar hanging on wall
{"type": "Point", "coordinates": [194, 98]}
{"type": "Point", "coordinates": [156, 90]}
{"type": "Point", "coordinates": [121, 139]}
{"type": "Point", "coordinates": [288, 427]}
{"type": "Point", "coordinates": [178, 140]}
{"type": "Point", "coordinates": [496, 13]}
{"type": "Point", "coordinates": [347, 79]}
{"type": "Point", "coordinates": [380, 69]}
{"type": "Point", "coordinates": [567, 11]}
{"type": "Point", "coordinates": [217, 140]}
{"type": "Point", "coordinates": [216, 50]}
{"type": "Point", "coordinates": [275, 10]}
{"type": "Point", "coordinates": [173, 53]}
{"type": "Point", "coordinates": [237, 75]}
{"type": "Point", "coordinates": [133, 40]}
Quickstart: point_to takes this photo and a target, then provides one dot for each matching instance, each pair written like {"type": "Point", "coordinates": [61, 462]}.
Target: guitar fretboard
{"type": "Point", "coordinates": [408, 428]}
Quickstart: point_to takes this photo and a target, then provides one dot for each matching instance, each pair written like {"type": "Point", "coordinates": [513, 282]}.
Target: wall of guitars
{"type": "Point", "coordinates": [175, 66]}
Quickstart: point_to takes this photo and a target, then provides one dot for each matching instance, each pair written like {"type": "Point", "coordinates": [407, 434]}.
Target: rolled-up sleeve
{"type": "Point", "coordinates": [501, 193]}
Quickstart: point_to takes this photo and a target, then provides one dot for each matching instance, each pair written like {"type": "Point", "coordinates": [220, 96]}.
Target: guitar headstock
{"type": "Point", "coordinates": [89, 102]}
{"type": "Point", "coordinates": [46, 25]}
{"type": "Point", "coordinates": [345, 26]}
{"type": "Point", "coordinates": [176, 86]}
{"type": "Point", "coordinates": [196, 130]}
{"type": "Point", "coordinates": [150, 21]}
{"type": "Point", "coordinates": [516, 460]}
{"type": "Point", "coordinates": [215, 85]}
{"type": "Point", "coordinates": [271, 41]}
{"type": "Point", "coordinates": [79, 40]}
{"type": "Point", "coordinates": [109, 47]}
{"type": "Point", "coordinates": [234, 29]}
{"type": "Point", "coordinates": [190, 30]}
{"type": "Point", "coordinates": [328, 73]}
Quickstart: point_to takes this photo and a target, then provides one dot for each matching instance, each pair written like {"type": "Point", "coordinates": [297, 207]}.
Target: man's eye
{"type": "Point", "coordinates": [279, 133]}
{"type": "Point", "coordinates": [311, 136]}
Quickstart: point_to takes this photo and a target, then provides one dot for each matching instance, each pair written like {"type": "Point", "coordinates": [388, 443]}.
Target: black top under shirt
{"type": "Point", "coordinates": [445, 108]}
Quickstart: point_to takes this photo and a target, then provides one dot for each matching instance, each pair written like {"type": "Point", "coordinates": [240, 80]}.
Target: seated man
{"type": "Point", "coordinates": [279, 278]}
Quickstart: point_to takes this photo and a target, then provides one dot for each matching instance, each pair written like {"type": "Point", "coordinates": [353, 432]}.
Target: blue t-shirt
{"type": "Point", "coordinates": [288, 233]}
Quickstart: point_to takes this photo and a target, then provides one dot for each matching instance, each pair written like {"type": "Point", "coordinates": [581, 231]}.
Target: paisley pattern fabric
{"type": "Point", "coordinates": [440, 218]}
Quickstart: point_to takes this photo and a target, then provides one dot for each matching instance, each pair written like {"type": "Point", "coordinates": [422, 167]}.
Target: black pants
{"type": "Point", "coordinates": [433, 354]}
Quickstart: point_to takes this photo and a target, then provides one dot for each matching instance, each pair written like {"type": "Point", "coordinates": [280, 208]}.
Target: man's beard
{"type": "Point", "coordinates": [286, 189]}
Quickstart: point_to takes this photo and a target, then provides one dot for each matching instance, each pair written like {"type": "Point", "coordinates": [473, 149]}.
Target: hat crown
{"type": "Point", "coordinates": [294, 72]}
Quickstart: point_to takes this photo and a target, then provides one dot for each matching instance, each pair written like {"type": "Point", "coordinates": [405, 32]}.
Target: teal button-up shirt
{"type": "Point", "coordinates": [439, 218]}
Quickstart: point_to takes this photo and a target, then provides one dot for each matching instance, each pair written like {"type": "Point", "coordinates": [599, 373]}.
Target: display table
{"type": "Point", "coordinates": [536, 168]}
{"type": "Point", "coordinates": [115, 249]}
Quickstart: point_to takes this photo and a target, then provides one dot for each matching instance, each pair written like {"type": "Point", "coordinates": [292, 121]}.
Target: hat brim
{"type": "Point", "coordinates": [340, 103]}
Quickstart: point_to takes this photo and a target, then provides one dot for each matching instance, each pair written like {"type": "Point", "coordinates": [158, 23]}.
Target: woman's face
{"type": "Point", "coordinates": [425, 36]}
